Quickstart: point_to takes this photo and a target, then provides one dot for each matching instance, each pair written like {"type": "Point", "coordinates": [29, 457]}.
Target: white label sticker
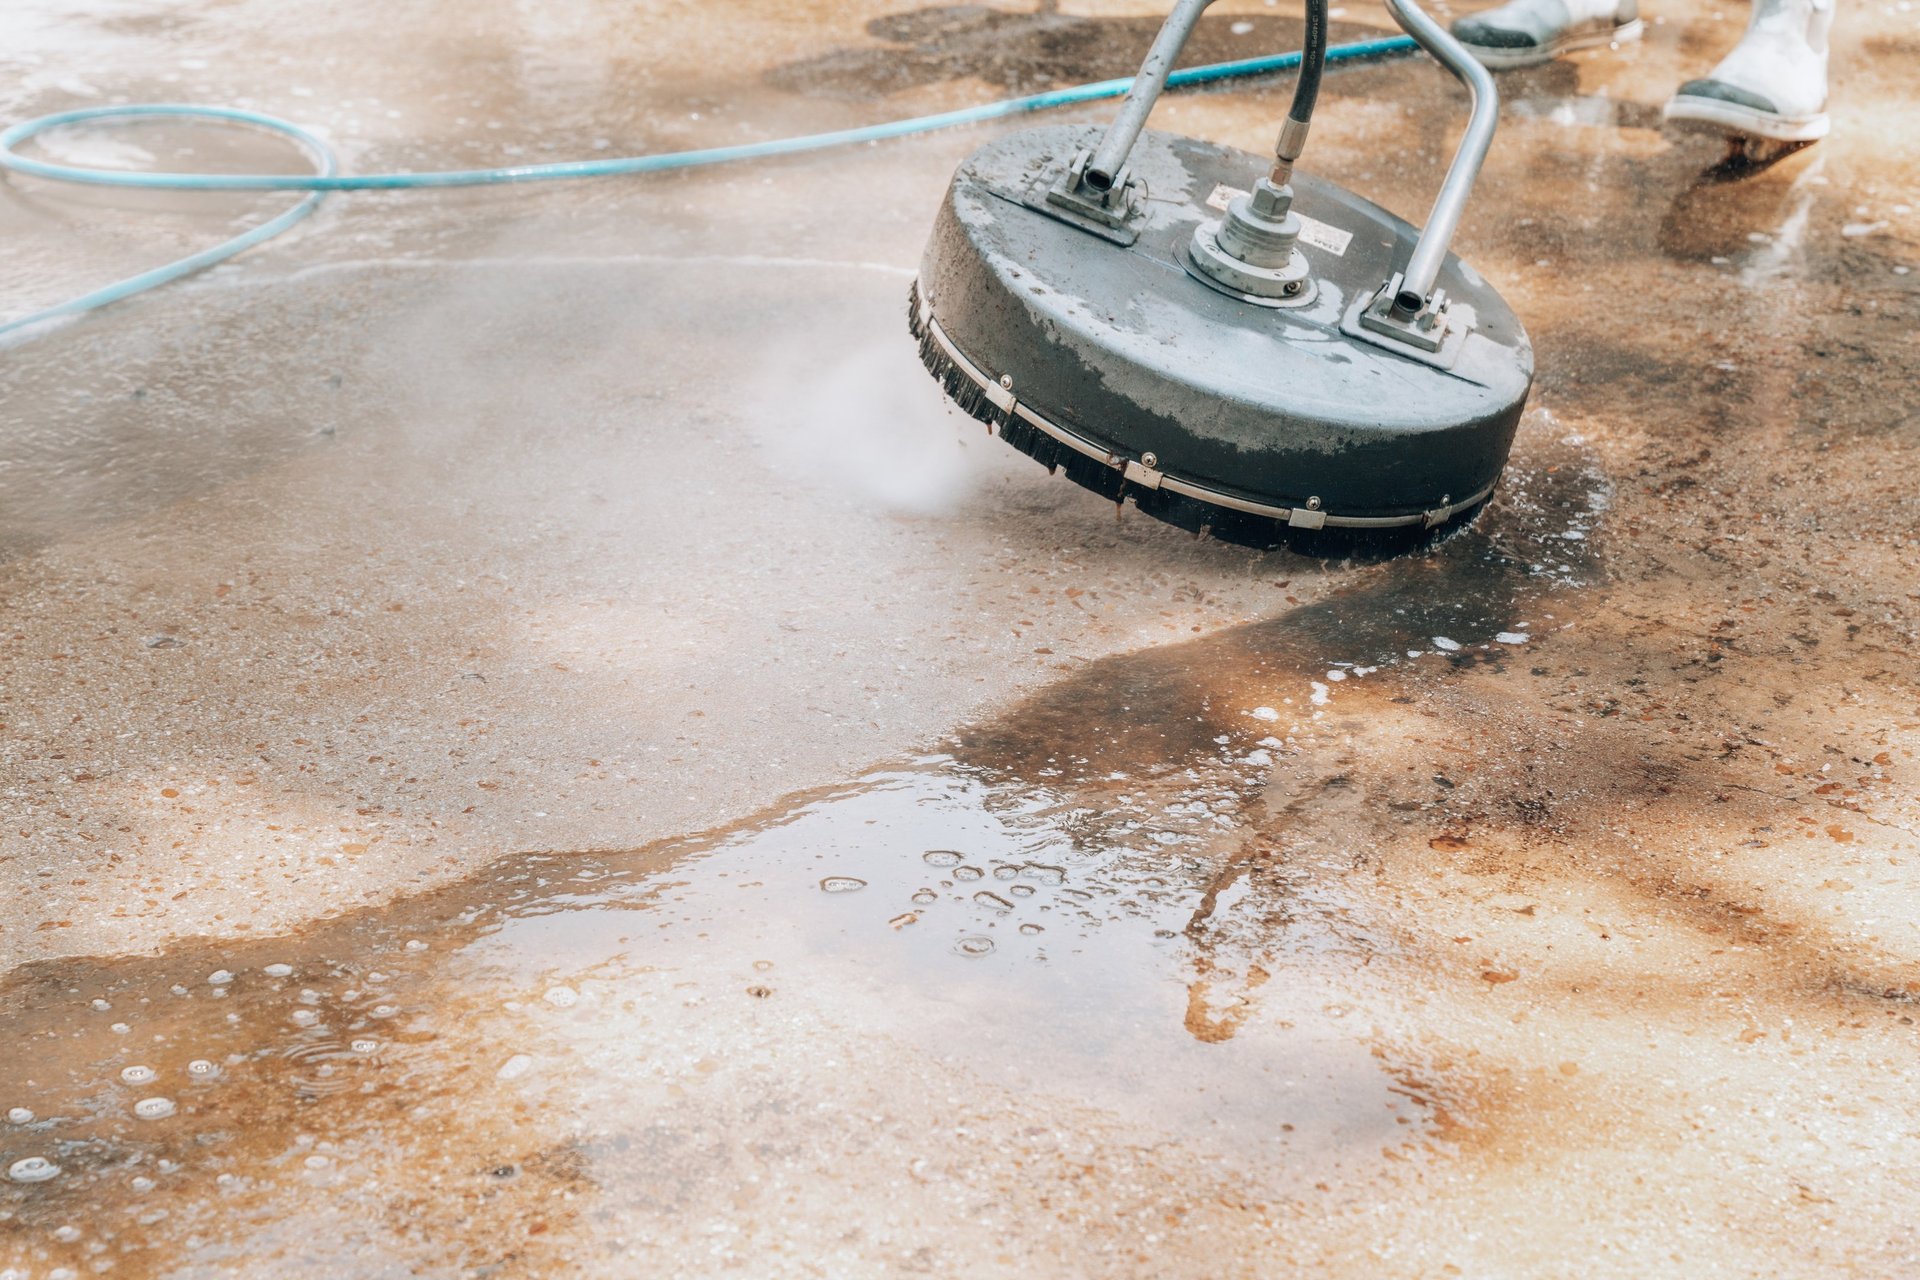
{"type": "Point", "coordinates": [1312, 230]}
{"type": "Point", "coordinates": [1321, 236]}
{"type": "Point", "coordinates": [1223, 196]}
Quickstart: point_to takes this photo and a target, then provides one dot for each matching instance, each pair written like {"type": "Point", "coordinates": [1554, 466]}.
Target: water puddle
{"type": "Point", "coordinates": [1094, 949]}
{"type": "Point", "coordinates": [600, 1002]}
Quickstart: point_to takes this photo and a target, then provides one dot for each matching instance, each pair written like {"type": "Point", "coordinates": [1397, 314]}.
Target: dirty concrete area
{"type": "Point", "coordinates": [532, 744]}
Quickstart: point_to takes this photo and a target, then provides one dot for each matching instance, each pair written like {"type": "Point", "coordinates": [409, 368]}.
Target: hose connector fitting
{"type": "Point", "coordinates": [1293, 141]}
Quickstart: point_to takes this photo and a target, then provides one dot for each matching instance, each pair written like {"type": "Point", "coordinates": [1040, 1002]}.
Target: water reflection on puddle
{"type": "Point", "coordinates": [963, 935]}
{"type": "Point", "coordinates": [1082, 943]}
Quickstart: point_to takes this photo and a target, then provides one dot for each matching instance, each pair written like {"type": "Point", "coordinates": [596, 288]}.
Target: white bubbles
{"type": "Point", "coordinates": [19, 1115]}
{"type": "Point", "coordinates": [942, 858]}
{"type": "Point", "coordinates": [414, 944]}
{"type": "Point", "coordinates": [33, 1169]}
{"type": "Point", "coordinates": [305, 1017]}
{"type": "Point", "coordinates": [63, 1273]}
{"type": "Point", "coordinates": [1031, 929]}
{"type": "Point", "coordinates": [67, 1234]}
{"type": "Point", "coordinates": [100, 1006]}
{"type": "Point", "coordinates": [219, 978]}
{"type": "Point", "coordinates": [201, 1069]}
{"type": "Point", "coordinates": [967, 873]}
{"type": "Point", "coordinates": [138, 1074]}
{"type": "Point", "coordinates": [973, 946]}
{"type": "Point", "coordinates": [143, 1184]}
{"type": "Point", "coordinates": [515, 1067]}
{"type": "Point", "coordinates": [119, 1028]}
{"type": "Point", "coordinates": [278, 970]}
{"type": "Point", "coordinates": [562, 997]}
{"type": "Point", "coordinates": [316, 1162]}
{"type": "Point", "coordinates": [366, 1046]}
{"type": "Point", "coordinates": [1446, 644]}
{"type": "Point", "coordinates": [842, 884]}
{"type": "Point", "coordinates": [385, 1010]}
{"type": "Point", "coordinates": [925, 896]}
{"type": "Point", "coordinates": [153, 1108]}
{"type": "Point", "coordinates": [1264, 713]}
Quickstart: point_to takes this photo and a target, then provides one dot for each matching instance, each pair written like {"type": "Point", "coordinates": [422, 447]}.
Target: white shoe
{"type": "Point", "coordinates": [1526, 33]}
{"type": "Point", "coordinates": [1774, 83]}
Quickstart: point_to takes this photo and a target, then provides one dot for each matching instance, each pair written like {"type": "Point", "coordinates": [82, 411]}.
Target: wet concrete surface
{"type": "Point", "coordinates": [534, 746]}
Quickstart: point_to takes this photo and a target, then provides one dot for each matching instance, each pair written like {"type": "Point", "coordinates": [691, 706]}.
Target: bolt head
{"type": "Point", "coordinates": [1149, 459]}
{"type": "Point", "coordinates": [1270, 201]}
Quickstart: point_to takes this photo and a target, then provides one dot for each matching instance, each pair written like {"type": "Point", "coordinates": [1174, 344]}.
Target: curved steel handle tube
{"type": "Point", "coordinates": [1430, 251]}
{"type": "Point", "coordinates": [1416, 284]}
{"type": "Point", "coordinates": [1111, 155]}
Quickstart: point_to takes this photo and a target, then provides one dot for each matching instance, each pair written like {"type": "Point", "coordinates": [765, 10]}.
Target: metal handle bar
{"type": "Point", "coordinates": [1416, 285]}
{"type": "Point", "coordinates": [1111, 155]}
{"type": "Point", "coordinates": [1430, 250]}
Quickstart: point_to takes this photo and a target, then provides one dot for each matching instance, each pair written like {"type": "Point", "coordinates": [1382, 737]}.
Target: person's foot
{"type": "Point", "coordinates": [1526, 33]}
{"type": "Point", "coordinates": [1774, 83]}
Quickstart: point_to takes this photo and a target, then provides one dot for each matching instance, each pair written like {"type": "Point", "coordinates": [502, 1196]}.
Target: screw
{"type": "Point", "coordinates": [1006, 382]}
{"type": "Point", "coordinates": [1313, 504]}
{"type": "Point", "coordinates": [1290, 288]}
{"type": "Point", "coordinates": [1149, 459]}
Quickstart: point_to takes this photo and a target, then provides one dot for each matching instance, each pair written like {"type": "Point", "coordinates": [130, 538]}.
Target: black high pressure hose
{"type": "Point", "coordinates": [1110, 157]}
{"type": "Point", "coordinates": [1313, 59]}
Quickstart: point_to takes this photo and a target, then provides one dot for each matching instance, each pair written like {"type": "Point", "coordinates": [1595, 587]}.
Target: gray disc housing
{"type": "Point", "coordinates": [1100, 346]}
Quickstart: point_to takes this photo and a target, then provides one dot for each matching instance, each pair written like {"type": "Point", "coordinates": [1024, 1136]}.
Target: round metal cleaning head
{"type": "Point", "coordinates": [1095, 338]}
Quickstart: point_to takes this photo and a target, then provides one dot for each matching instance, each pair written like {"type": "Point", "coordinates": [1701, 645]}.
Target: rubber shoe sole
{"type": "Point", "coordinates": [1688, 114]}
{"type": "Point", "coordinates": [1495, 59]}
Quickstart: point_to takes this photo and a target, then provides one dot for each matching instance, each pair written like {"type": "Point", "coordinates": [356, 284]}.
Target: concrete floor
{"type": "Point", "coordinates": [562, 625]}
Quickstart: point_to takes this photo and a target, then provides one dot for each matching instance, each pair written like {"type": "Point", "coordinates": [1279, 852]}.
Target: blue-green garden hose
{"type": "Point", "coordinates": [326, 176]}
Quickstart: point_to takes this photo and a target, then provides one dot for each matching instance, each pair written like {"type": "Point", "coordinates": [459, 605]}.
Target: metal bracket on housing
{"type": "Point", "coordinates": [1308, 515]}
{"type": "Point", "coordinates": [1431, 334]}
{"type": "Point", "coordinates": [1109, 214]}
{"type": "Point", "coordinates": [1427, 327]}
{"type": "Point", "coordinates": [1110, 207]}
{"type": "Point", "coordinates": [1442, 513]}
